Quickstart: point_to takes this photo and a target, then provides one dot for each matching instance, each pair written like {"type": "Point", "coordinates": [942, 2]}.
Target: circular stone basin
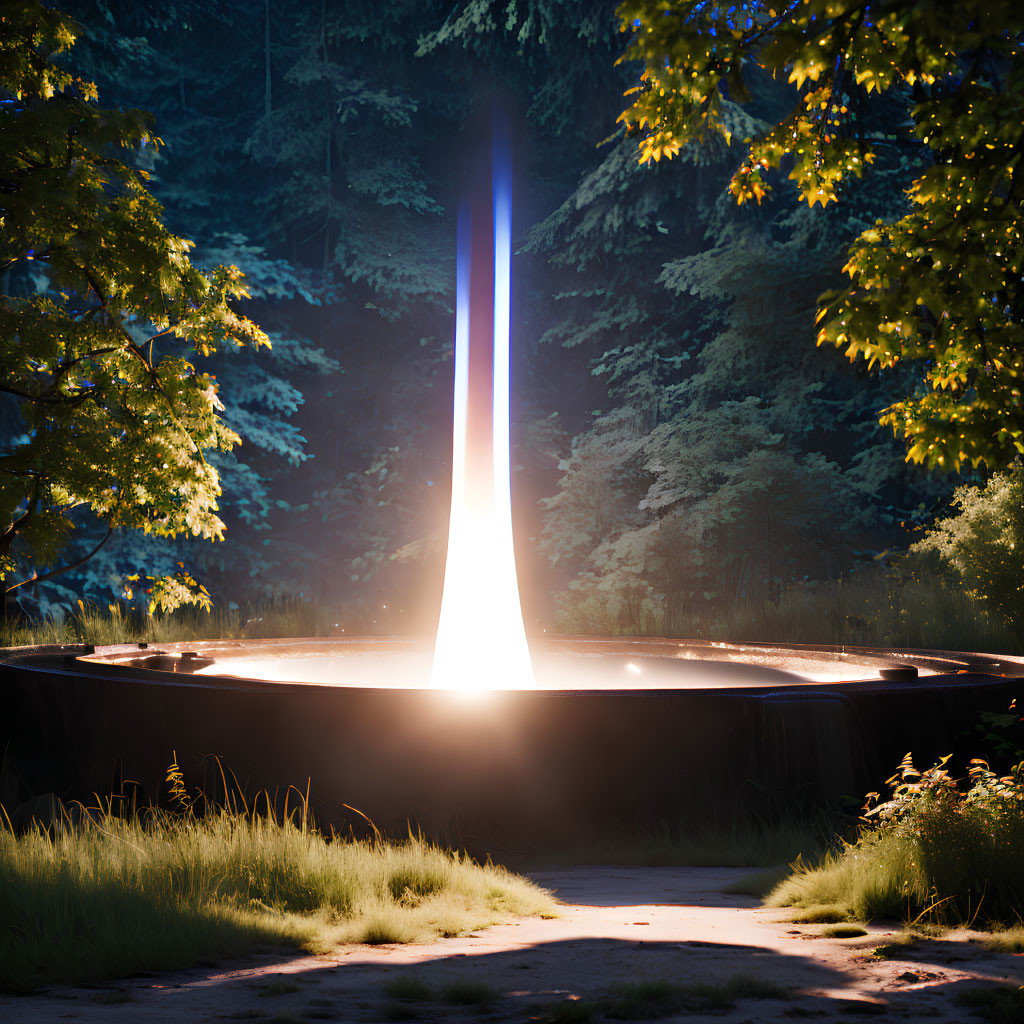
{"type": "Point", "coordinates": [619, 734]}
{"type": "Point", "coordinates": [560, 663]}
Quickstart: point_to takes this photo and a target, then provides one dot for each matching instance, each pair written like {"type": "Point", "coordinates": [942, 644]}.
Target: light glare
{"type": "Point", "coordinates": [481, 641]}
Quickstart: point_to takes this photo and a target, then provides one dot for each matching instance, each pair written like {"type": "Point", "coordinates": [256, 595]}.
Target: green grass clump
{"type": "Point", "coordinates": [1003, 1005]}
{"type": "Point", "coordinates": [1006, 940]}
{"type": "Point", "coordinates": [826, 914]}
{"type": "Point", "coordinates": [938, 854]}
{"type": "Point", "coordinates": [651, 1000]}
{"type": "Point", "coordinates": [892, 950]}
{"type": "Point", "coordinates": [107, 897]}
{"type": "Point", "coordinates": [843, 931]}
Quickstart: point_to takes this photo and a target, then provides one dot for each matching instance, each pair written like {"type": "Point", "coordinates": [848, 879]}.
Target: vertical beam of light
{"type": "Point", "coordinates": [481, 641]}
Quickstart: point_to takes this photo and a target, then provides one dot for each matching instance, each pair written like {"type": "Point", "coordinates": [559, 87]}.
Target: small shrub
{"type": "Point", "coordinates": [933, 852]}
{"type": "Point", "coordinates": [982, 543]}
{"type": "Point", "coordinates": [1003, 1005]}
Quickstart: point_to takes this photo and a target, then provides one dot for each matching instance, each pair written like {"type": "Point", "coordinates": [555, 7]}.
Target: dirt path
{"type": "Point", "coordinates": [618, 925]}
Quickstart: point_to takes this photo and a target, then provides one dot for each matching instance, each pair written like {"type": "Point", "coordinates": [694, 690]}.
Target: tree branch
{"type": "Point", "coordinates": [38, 578]}
{"type": "Point", "coordinates": [51, 399]}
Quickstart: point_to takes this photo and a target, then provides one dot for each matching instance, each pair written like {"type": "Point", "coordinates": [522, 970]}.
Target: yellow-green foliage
{"type": "Point", "coordinates": [937, 853]}
{"type": "Point", "coordinates": [105, 896]}
{"type": "Point", "coordinates": [98, 354]}
{"type": "Point", "coordinates": [937, 291]}
{"type": "Point", "coordinates": [982, 542]}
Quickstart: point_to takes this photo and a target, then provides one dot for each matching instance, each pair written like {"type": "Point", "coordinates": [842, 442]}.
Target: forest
{"type": "Point", "coordinates": [688, 457]}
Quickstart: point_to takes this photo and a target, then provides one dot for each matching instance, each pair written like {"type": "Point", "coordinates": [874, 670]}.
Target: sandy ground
{"type": "Point", "coordinates": [618, 925]}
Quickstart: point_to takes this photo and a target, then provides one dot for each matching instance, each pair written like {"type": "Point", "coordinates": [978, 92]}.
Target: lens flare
{"type": "Point", "coordinates": [481, 642]}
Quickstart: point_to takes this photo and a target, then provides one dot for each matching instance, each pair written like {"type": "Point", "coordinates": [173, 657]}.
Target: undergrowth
{"type": "Point", "coordinates": [912, 606]}
{"type": "Point", "coordinates": [94, 895]}
{"type": "Point", "coordinates": [116, 623]}
{"type": "Point", "coordinates": [934, 852]}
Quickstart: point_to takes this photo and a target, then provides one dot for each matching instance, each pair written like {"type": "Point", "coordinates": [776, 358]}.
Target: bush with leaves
{"type": "Point", "coordinates": [934, 849]}
{"type": "Point", "coordinates": [982, 543]}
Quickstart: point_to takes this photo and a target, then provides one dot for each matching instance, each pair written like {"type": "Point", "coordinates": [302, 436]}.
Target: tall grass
{"type": "Point", "coordinates": [876, 607]}
{"type": "Point", "coordinates": [937, 853]}
{"type": "Point", "coordinates": [98, 896]}
{"type": "Point", "coordinates": [117, 624]}
{"type": "Point", "coordinates": [912, 607]}
{"type": "Point", "coordinates": [89, 623]}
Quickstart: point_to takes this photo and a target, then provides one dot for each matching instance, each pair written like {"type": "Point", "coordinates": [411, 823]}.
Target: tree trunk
{"type": "Point", "coordinates": [328, 170]}
{"type": "Point", "coordinates": [267, 106]}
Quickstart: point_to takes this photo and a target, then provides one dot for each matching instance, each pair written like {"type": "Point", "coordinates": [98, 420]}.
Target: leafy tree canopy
{"type": "Point", "coordinates": [940, 288]}
{"type": "Point", "coordinates": [100, 316]}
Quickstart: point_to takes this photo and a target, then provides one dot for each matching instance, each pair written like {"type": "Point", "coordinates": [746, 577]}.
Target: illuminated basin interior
{"type": "Point", "coordinates": [559, 663]}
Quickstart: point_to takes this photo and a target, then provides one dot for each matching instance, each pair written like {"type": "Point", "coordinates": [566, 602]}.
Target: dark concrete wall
{"type": "Point", "coordinates": [527, 769]}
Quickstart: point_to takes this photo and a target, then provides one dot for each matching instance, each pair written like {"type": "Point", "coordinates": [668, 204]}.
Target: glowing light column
{"type": "Point", "coordinates": [481, 642]}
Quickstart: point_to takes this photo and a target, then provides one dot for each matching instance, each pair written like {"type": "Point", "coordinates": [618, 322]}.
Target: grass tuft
{"type": "Point", "coordinates": [1002, 1005]}
{"type": "Point", "coordinates": [1006, 940]}
{"type": "Point", "coordinates": [897, 949]}
{"type": "Point", "coordinates": [843, 931]}
{"type": "Point", "coordinates": [821, 915]}
{"type": "Point", "coordinates": [651, 1000]}
{"type": "Point", "coordinates": [105, 897]}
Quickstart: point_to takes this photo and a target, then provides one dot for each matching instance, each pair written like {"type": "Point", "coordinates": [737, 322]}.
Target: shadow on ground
{"type": "Point", "coordinates": [548, 982]}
